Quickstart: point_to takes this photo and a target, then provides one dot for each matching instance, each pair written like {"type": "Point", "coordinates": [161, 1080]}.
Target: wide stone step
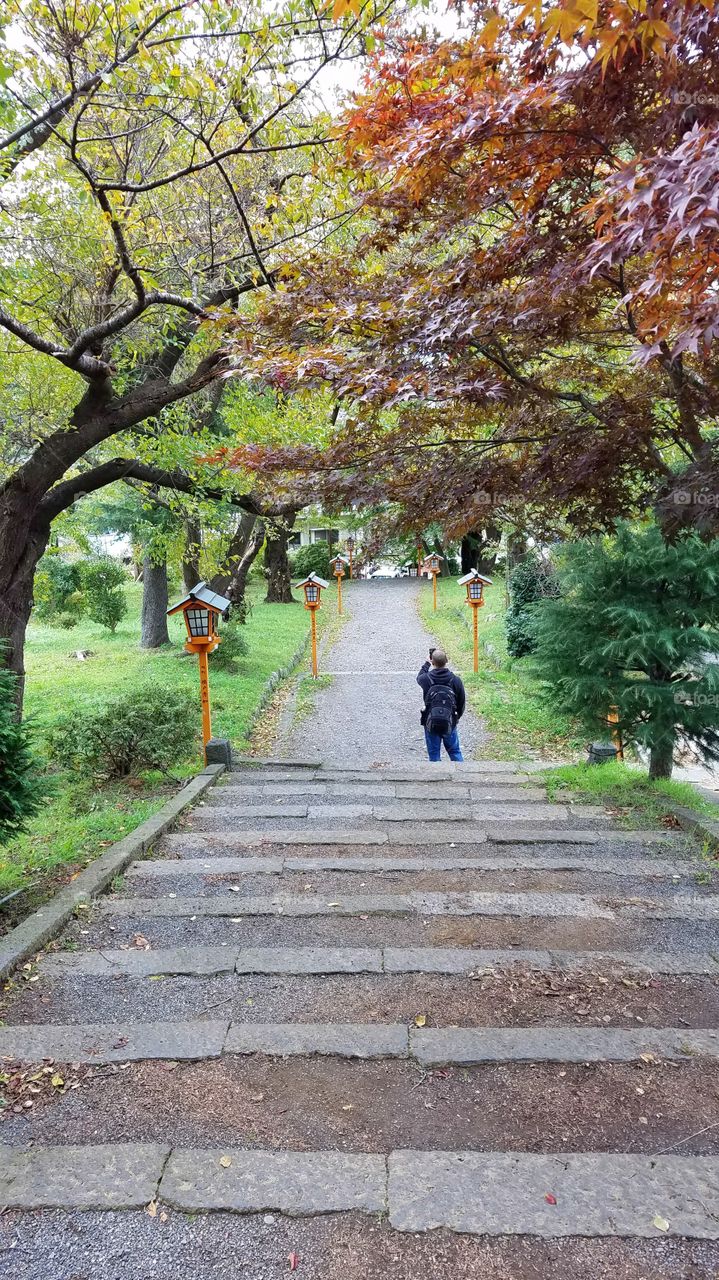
{"type": "Point", "coordinates": [522, 860]}
{"type": "Point", "coordinates": [367, 795]}
{"type": "Point", "coordinates": [481, 1193]}
{"type": "Point", "coordinates": [103, 1043]}
{"type": "Point", "coordinates": [679, 907]}
{"type": "Point", "coordinates": [219, 817]}
{"type": "Point", "coordinates": [201, 960]}
{"type": "Point", "coordinates": [408, 841]}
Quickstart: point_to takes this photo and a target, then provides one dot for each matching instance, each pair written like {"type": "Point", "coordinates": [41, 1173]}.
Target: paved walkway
{"type": "Point", "coordinates": [370, 712]}
{"type": "Point", "coordinates": [373, 1024]}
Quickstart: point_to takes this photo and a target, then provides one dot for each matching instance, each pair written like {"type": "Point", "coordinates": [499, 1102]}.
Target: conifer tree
{"type": "Point", "coordinates": [637, 628]}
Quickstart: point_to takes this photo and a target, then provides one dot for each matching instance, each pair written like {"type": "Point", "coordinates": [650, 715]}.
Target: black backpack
{"type": "Point", "coordinates": [441, 705]}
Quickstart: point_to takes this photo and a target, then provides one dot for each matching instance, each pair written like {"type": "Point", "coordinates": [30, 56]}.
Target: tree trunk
{"type": "Point", "coordinates": [236, 548]}
{"type": "Point", "coordinates": [238, 583]}
{"type": "Point", "coordinates": [479, 550]}
{"type": "Point", "coordinates": [191, 554]}
{"type": "Point", "coordinates": [277, 565]}
{"type": "Point", "coordinates": [154, 605]}
{"type": "Point", "coordinates": [23, 542]}
{"type": "Point", "coordinates": [661, 760]}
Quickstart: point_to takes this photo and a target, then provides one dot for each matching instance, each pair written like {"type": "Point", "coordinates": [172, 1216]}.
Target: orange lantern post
{"type": "Point", "coordinates": [475, 583]}
{"type": "Point", "coordinates": [201, 609]}
{"type": "Point", "coordinates": [432, 566]}
{"type": "Point", "coordinates": [339, 564]}
{"type": "Point", "coordinates": [313, 588]}
{"type": "Point", "coordinates": [613, 719]}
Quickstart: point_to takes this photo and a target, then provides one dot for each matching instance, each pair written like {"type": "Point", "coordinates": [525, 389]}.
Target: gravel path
{"type": "Point", "coordinates": [370, 712]}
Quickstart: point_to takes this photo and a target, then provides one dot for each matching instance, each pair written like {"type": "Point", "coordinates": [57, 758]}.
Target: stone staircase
{"type": "Point", "coordinates": [416, 998]}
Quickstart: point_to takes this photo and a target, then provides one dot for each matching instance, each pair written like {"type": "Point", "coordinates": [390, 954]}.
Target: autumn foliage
{"type": "Point", "coordinates": [531, 314]}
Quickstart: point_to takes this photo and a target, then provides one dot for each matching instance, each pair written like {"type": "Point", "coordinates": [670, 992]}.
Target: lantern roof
{"type": "Point", "coordinates": [313, 578]}
{"type": "Point", "coordinates": [343, 559]}
{"type": "Point", "coordinates": [203, 595]}
{"type": "Point", "coordinates": [474, 576]}
{"type": "Point", "coordinates": [433, 555]}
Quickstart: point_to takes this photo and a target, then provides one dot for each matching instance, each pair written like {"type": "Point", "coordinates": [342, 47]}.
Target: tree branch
{"type": "Point", "coordinates": [63, 495]}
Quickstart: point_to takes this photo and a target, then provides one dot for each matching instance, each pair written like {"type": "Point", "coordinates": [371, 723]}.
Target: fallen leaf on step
{"type": "Point", "coordinates": [140, 941]}
{"type": "Point", "coordinates": [420, 1020]}
{"type": "Point", "coordinates": [293, 1260]}
{"type": "Point", "coordinates": [151, 1209]}
{"type": "Point", "coordinates": [257, 1097]}
{"type": "Point", "coordinates": [647, 1057]}
{"type": "Point", "coordinates": [660, 1223]}
{"type": "Point", "coordinates": [225, 1161]}
{"type": "Point", "coordinates": [57, 1081]}
{"type": "Point", "coordinates": [550, 1199]}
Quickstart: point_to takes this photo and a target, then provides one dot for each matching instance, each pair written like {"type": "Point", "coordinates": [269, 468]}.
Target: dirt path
{"type": "Point", "coordinates": [370, 712]}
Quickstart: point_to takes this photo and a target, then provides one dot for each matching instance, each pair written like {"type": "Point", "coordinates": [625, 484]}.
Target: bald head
{"type": "Point", "coordinates": [439, 658]}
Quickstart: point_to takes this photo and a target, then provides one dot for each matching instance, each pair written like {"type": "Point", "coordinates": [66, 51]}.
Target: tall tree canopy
{"type": "Point", "coordinates": [159, 163]}
{"type": "Point", "coordinates": [535, 295]}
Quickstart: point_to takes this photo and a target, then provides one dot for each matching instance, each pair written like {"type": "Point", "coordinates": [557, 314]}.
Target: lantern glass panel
{"type": "Point", "coordinates": [198, 622]}
{"type": "Point", "coordinates": [475, 590]}
{"type": "Point", "coordinates": [312, 592]}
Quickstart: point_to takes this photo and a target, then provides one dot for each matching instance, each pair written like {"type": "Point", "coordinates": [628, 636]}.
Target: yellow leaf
{"type": "Point", "coordinates": [57, 1081]}
{"type": "Point", "coordinates": [660, 1223]}
{"type": "Point", "coordinates": [421, 1020]}
{"type": "Point", "coordinates": [225, 1162]}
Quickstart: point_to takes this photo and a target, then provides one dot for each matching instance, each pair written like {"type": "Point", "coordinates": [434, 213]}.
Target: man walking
{"type": "Point", "coordinates": [444, 701]}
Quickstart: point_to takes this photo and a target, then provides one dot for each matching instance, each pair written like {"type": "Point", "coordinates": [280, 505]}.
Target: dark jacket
{"type": "Point", "coordinates": [429, 675]}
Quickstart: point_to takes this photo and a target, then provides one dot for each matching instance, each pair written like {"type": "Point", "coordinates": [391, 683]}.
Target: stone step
{"type": "Point", "coordinates": [410, 930]}
{"type": "Point", "coordinates": [464, 774]}
{"type": "Point", "coordinates": [515, 996]}
{"type": "Point", "coordinates": [155, 869]}
{"type": "Point", "coordinates": [103, 1043]}
{"type": "Point", "coordinates": [530, 904]}
{"type": "Point", "coordinates": [207, 960]}
{"type": "Point", "coordinates": [408, 840]}
{"type": "Point", "coordinates": [316, 794]}
{"type": "Point", "coordinates": [480, 1193]}
{"type": "Point", "coordinates": [223, 817]}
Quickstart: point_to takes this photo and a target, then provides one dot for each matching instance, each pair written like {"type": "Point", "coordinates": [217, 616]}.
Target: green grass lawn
{"type": "Point", "coordinates": [503, 693]}
{"type": "Point", "coordinates": [80, 817]}
{"type": "Point", "coordinates": [635, 799]}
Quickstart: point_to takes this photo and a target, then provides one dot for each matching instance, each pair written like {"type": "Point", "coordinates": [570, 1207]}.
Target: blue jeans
{"type": "Point", "coordinates": [451, 745]}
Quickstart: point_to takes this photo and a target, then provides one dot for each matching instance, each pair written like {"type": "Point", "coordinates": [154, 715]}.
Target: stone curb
{"type": "Point", "coordinates": [200, 1040]}
{"type": "Point", "coordinates": [34, 932]}
{"type": "Point", "coordinates": [481, 1193]}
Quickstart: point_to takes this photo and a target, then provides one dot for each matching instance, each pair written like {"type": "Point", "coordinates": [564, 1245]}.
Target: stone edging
{"type": "Point", "coordinates": [32, 934]}
{"type": "Point", "coordinates": [698, 824]}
